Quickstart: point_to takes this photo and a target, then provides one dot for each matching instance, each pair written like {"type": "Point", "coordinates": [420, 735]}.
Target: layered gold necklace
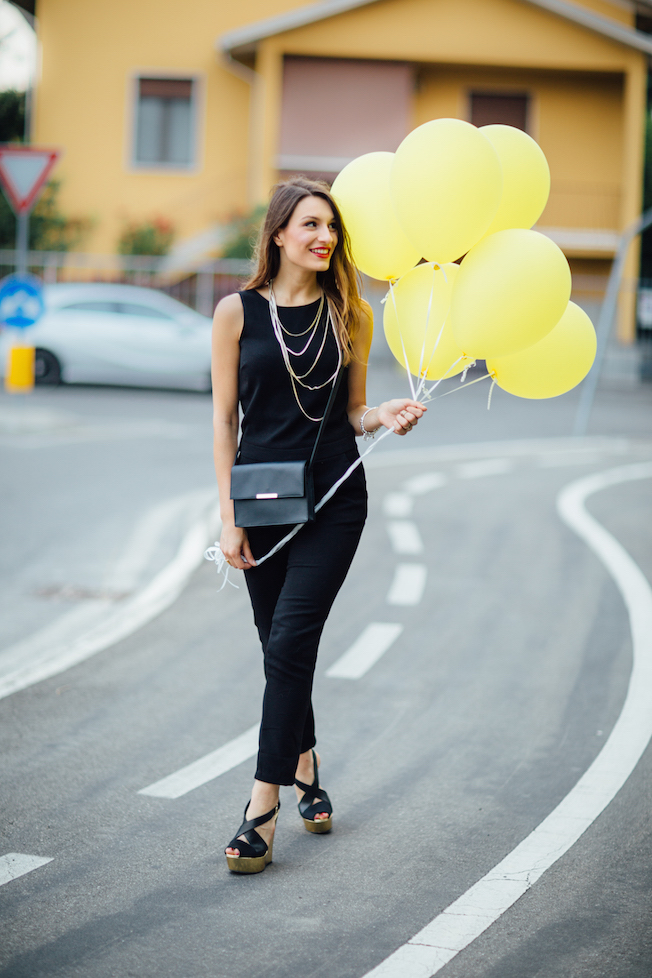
{"type": "Point", "coordinates": [286, 352]}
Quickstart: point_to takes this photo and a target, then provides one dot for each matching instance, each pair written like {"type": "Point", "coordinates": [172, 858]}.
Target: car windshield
{"type": "Point", "coordinates": [95, 305]}
{"type": "Point", "coordinates": [148, 312]}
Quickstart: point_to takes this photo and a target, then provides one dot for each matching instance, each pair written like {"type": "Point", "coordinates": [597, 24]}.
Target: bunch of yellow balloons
{"type": "Point", "coordinates": [450, 192]}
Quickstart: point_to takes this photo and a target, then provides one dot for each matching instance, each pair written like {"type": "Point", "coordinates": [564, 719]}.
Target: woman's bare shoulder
{"type": "Point", "coordinates": [229, 314]}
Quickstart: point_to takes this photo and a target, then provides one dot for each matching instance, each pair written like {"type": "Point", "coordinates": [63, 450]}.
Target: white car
{"type": "Point", "coordinates": [99, 333]}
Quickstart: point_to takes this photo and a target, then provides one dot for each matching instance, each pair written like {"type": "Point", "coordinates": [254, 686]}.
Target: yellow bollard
{"type": "Point", "coordinates": [19, 376]}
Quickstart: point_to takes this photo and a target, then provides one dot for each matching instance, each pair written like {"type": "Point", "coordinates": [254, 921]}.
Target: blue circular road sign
{"type": "Point", "coordinates": [21, 301]}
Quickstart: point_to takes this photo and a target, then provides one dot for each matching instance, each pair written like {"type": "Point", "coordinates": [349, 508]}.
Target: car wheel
{"type": "Point", "coordinates": [47, 369]}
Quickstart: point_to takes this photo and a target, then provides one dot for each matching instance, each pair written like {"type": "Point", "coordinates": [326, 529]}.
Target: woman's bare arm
{"type": "Point", "coordinates": [228, 322]}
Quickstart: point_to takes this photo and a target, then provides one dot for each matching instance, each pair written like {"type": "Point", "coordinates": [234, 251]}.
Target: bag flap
{"type": "Point", "coordinates": [268, 480]}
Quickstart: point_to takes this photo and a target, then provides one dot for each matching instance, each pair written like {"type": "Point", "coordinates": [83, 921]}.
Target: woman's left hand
{"type": "Point", "coordinates": [401, 414]}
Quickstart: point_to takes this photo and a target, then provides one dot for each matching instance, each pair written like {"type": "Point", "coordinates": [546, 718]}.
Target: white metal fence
{"type": "Point", "coordinates": [201, 287]}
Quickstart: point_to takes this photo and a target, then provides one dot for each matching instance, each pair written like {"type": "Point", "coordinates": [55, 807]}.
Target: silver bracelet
{"type": "Point", "coordinates": [367, 435]}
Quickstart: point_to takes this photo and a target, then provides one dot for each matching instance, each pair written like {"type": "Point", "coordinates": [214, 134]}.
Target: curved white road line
{"type": "Point", "coordinates": [477, 909]}
{"type": "Point", "coordinates": [158, 595]}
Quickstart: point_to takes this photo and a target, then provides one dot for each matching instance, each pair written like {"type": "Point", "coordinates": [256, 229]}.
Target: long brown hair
{"type": "Point", "coordinates": [341, 283]}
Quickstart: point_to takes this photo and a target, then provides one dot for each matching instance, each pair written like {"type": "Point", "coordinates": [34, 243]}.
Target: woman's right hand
{"type": "Point", "coordinates": [234, 544]}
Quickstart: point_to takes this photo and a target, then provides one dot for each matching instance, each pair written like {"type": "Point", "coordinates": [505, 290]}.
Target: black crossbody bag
{"type": "Point", "coordinates": [278, 493]}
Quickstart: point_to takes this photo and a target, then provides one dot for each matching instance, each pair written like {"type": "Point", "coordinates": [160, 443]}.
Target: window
{"type": "Point", "coordinates": [164, 122]}
{"type": "Point", "coordinates": [368, 108]}
{"type": "Point", "coordinates": [490, 109]}
{"type": "Point", "coordinates": [147, 312]}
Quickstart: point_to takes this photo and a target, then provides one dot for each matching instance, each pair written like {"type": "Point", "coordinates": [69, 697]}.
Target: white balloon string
{"type": "Point", "coordinates": [428, 393]}
{"type": "Point", "coordinates": [221, 564]}
{"type": "Point", "coordinates": [491, 390]}
{"type": "Point", "coordinates": [422, 373]}
{"type": "Point", "coordinates": [462, 387]}
{"type": "Point", "coordinates": [400, 333]}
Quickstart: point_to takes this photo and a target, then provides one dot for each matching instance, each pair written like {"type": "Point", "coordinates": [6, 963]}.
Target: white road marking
{"type": "Point", "coordinates": [524, 448]}
{"type": "Point", "coordinates": [418, 485]}
{"type": "Point", "coordinates": [477, 909]}
{"type": "Point", "coordinates": [73, 435]}
{"type": "Point", "coordinates": [206, 768]}
{"type": "Point", "coordinates": [574, 458]}
{"type": "Point", "coordinates": [405, 537]}
{"type": "Point", "coordinates": [398, 505]}
{"type": "Point", "coordinates": [408, 585]}
{"type": "Point", "coordinates": [15, 864]}
{"type": "Point", "coordinates": [129, 569]}
{"type": "Point", "coordinates": [487, 466]}
{"type": "Point", "coordinates": [51, 659]}
{"type": "Point", "coordinates": [365, 651]}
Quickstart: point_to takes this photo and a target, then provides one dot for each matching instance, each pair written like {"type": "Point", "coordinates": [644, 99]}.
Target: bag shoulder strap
{"type": "Point", "coordinates": [329, 405]}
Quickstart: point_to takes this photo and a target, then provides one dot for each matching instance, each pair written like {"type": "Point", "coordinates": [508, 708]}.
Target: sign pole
{"type": "Point", "coordinates": [23, 172]}
{"type": "Point", "coordinates": [22, 241]}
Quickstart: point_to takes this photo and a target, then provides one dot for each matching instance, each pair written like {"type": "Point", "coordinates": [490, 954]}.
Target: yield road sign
{"type": "Point", "coordinates": [21, 301]}
{"type": "Point", "coordinates": [23, 171]}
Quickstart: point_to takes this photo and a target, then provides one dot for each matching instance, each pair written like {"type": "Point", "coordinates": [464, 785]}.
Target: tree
{"type": "Point", "coordinates": [12, 116]}
{"type": "Point", "coordinates": [49, 229]}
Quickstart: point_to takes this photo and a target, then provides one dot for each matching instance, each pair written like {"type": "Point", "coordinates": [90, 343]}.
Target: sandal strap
{"type": "Point", "coordinates": [323, 804]}
{"type": "Point", "coordinates": [303, 786]}
{"type": "Point", "coordinates": [253, 823]}
{"type": "Point", "coordinates": [246, 849]}
{"type": "Point", "coordinates": [315, 779]}
{"type": "Point", "coordinates": [314, 796]}
{"type": "Point", "coordinates": [255, 845]}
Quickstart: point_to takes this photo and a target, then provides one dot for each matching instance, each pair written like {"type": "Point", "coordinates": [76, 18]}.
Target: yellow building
{"type": "Point", "coordinates": [190, 111]}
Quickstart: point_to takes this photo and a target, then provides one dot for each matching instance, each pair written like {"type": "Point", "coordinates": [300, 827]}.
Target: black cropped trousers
{"type": "Point", "coordinates": [292, 594]}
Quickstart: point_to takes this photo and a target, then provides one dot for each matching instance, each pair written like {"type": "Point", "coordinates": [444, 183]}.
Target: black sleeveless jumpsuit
{"type": "Point", "coordinates": [292, 592]}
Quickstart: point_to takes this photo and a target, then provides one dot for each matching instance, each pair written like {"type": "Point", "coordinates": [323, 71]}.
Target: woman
{"type": "Point", "coordinates": [277, 347]}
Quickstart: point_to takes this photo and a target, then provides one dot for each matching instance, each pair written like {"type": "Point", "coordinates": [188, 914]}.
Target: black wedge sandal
{"type": "Point", "coordinates": [315, 801]}
{"type": "Point", "coordinates": [255, 854]}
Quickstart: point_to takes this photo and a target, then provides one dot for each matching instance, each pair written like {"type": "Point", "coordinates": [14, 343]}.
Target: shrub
{"type": "Point", "coordinates": [153, 237]}
{"type": "Point", "coordinates": [244, 232]}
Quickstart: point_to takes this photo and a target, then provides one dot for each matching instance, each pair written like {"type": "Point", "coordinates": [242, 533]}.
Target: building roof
{"type": "Point", "coordinates": [244, 38]}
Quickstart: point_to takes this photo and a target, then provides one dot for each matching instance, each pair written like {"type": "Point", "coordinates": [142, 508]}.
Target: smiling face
{"type": "Point", "coordinates": [310, 236]}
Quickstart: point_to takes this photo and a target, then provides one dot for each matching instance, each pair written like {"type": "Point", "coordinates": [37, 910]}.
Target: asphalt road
{"type": "Point", "coordinates": [501, 688]}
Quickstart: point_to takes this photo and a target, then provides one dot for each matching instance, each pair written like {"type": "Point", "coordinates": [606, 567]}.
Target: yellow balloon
{"type": "Point", "coordinates": [512, 289]}
{"type": "Point", "coordinates": [427, 338]}
{"type": "Point", "coordinates": [555, 364]}
{"type": "Point", "coordinates": [526, 178]}
{"type": "Point", "coordinates": [379, 244]}
{"type": "Point", "coordinates": [446, 184]}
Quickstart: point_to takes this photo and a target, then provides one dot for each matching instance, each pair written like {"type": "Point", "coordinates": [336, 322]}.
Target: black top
{"type": "Point", "coordinates": [273, 426]}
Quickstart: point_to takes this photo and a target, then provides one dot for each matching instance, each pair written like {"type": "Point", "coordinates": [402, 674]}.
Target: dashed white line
{"type": "Point", "coordinates": [408, 585]}
{"type": "Point", "coordinates": [398, 505]}
{"type": "Point", "coordinates": [405, 537]}
{"type": "Point", "coordinates": [477, 909]}
{"type": "Point", "coordinates": [15, 864]}
{"type": "Point", "coordinates": [488, 466]}
{"type": "Point", "coordinates": [418, 485]}
{"type": "Point", "coordinates": [365, 651]}
{"type": "Point", "coordinates": [206, 768]}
